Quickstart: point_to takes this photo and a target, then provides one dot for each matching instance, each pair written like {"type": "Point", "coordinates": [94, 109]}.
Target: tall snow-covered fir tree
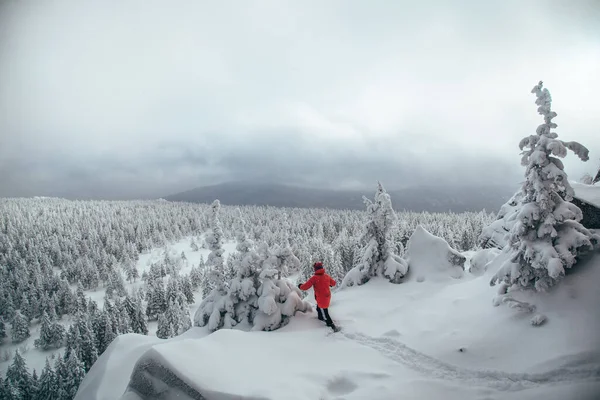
{"type": "Point", "coordinates": [47, 384]}
{"type": "Point", "coordinates": [20, 328]}
{"type": "Point", "coordinates": [218, 309]}
{"type": "Point", "coordinates": [245, 284]}
{"type": "Point", "coordinates": [377, 255]}
{"type": "Point", "coordinates": [2, 330]}
{"type": "Point", "coordinates": [52, 334]}
{"type": "Point", "coordinates": [547, 237]}
{"type": "Point", "coordinates": [19, 377]}
{"type": "Point", "coordinates": [70, 371]}
{"type": "Point", "coordinates": [214, 239]}
{"type": "Point", "coordinates": [137, 318]}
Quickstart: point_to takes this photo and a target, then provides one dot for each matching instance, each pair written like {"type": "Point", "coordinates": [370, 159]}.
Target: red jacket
{"type": "Point", "coordinates": [321, 282]}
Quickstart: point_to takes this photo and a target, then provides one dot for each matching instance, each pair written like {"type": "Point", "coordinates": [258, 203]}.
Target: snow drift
{"type": "Point", "coordinates": [481, 260]}
{"type": "Point", "coordinates": [431, 257]}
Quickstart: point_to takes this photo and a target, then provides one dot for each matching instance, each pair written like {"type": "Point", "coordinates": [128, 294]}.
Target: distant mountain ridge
{"type": "Point", "coordinates": [418, 198]}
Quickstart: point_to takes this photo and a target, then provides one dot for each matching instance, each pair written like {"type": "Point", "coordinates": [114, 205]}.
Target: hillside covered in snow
{"type": "Point", "coordinates": [417, 340]}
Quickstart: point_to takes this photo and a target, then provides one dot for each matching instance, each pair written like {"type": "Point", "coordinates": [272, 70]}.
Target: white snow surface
{"type": "Point", "coordinates": [428, 257]}
{"type": "Point", "coordinates": [427, 340]}
{"type": "Point", "coordinates": [588, 193]}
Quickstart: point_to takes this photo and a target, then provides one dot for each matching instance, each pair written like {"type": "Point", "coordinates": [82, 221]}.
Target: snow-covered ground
{"type": "Point", "coordinates": [435, 339]}
{"type": "Point", "coordinates": [588, 193]}
{"type": "Point", "coordinates": [36, 358]}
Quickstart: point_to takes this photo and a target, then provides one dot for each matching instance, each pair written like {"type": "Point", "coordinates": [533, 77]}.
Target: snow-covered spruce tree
{"type": "Point", "coordinates": [2, 330]}
{"type": "Point", "coordinates": [218, 309]}
{"type": "Point", "coordinates": [19, 377]}
{"type": "Point", "coordinates": [214, 239]}
{"type": "Point", "coordinates": [215, 305]}
{"type": "Point", "coordinates": [377, 256]}
{"type": "Point", "coordinates": [547, 236]}
{"type": "Point", "coordinates": [278, 300]}
{"type": "Point", "coordinates": [47, 384]}
{"type": "Point", "coordinates": [137, 317]}
{"type": "Point", "coordinates": [164, 329]}
{"type": "Point", "coordinates": [245, 284]}
{"type": "Point", "coordinates": [70, 372]}
{"type": "Point", "coordinates": [52, 334]}
{"type": "Point", "coordinates": [20, 328]}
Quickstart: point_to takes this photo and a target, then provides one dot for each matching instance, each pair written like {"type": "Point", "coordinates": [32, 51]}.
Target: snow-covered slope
{"type": "Point", "coordinates": [414, 340]}
{"type": "Point", "coordinates": [587, 193]}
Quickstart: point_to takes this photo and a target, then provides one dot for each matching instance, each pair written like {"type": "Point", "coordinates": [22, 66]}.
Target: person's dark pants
{"type": "Point", "coordinates": [327, 317]}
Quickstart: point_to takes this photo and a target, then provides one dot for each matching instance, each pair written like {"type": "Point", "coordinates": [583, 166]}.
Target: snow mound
{"type": "Point", "coordinates": [482, 259]}
{"type": "Point", "coordinates": [431, 257]}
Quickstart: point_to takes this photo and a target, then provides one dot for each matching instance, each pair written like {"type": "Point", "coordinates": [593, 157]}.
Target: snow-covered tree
{"type": "Point", "coordinates": [137, 319]}
{"type": "Point", "coordinates": [26, 309]}
{"type": "Point", "coordinates": [587, 179]}
{"type": "Point", "coordinates": [20, 328]}
{"type": "Point", "coordinates": [165, 328]}
{"type": "Point", "coordinates": [104, 330]}
{"type": "Point", "coordinates": [194, 245]}
{"type": "Point", "coordinates": [8, 391]}
{"type": "Point", "coordinates": [19, 377]}
{"type": "Point", "coordinates": [228, 305]}
{"type": "Point", "coordinates": [47, 384]}
{"type": "Point", "coordinates": [81, 340]}
{"type": "Point", "coordinates": [2, 330]}
{"type": "Point", "coordinates": [215, 306]}
{"type": "Point", "coordinates": [52, 334]}
{"type": "Point", "coordinates": [547, 237]}
{"type": "Point", "coordinates": [70, 372]}
{"type": "Point", "coordinates": [244, 286]}
{"type": "Point", "coordinates": [278, 300]}
{"type": "Point", "coordinates": [282, 258]}
{"type": "Point", "coordinates": [214, 239]}
{"type": "Point", "coordinates": [156, 298]}
{"type": "Point", "coordinates": [377, 256]}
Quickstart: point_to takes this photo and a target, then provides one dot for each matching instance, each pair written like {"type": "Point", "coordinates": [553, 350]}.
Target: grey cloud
{"type": "Point", "coordinates": [127, 100]}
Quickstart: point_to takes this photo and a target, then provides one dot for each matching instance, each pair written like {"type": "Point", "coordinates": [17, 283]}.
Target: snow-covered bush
{"type": "Point", "coordinates": [587, 179]}
{"type": "Point", "coordinates": [264, 299]}
{"type": "Point", "coordinates": [377, 255]}
{"type": "Point", "coordinates": [431, 257]}
{"type": "Point", "coordinates": [278, 300]}
{"type": "Point", "coordinates": [482, 259]}
{"type": "Point", "coordinates": [547, 237]}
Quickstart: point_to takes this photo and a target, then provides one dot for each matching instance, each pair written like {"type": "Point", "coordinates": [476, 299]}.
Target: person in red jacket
{"type": "Point", "coordinates": [321, 283]}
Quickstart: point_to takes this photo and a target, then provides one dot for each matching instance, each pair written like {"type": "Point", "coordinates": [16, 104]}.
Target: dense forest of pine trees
{"type": "Point", "coordinates": [53, 251]}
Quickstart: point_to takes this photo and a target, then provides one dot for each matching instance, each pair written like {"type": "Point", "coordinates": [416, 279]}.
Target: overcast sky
{"type": "Point", "coordinates": [144, 98]}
